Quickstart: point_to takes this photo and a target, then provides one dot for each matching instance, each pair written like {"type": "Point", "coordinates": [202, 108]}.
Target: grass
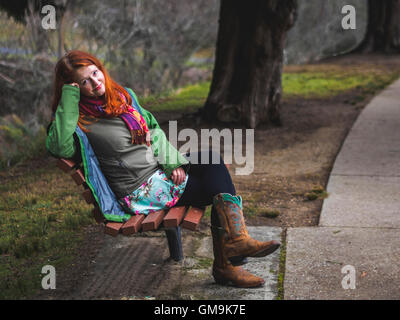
{"type": "Point", "coordinates": [282, 264]}
{"type": "Point", "coordinates": [253, 206]}
{"type": "Point", "coordinates": [250, 210]}
{"type": "Point", "coordinates": [307, 81]}
{"type": "Point", "coordinates": [207, 213]}
{"type": "Point", "coordinates": [204, 263]}
{"type": "Point", "coordinates": [270, 213]}
{"type": "Point", "coordinates": [324, 80]}
{"type": "Point", "coordinates": [186, 99]}
{"type": "Point", "coordinates": [17, 142]}
{"type": "Point", "coordinates": [317, 192]}
{"type": "Point", "coordinates": [320, 85]}
{"type": "Point", "coordinates": [41, 218]}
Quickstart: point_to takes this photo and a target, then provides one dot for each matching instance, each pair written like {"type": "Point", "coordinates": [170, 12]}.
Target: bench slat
{"type": "Point", "coordinates": [133, 225]}
{"type": "Point", "coordinates": [65, 165]}
{"type": "Point", "coordinates": [78, 177]}
{"type": "Point", "coordinates": [98, 216]}
{"type": "Point", "coordinates": [112, 228]}
{"type": "Point", "coordinates": [174, 217]}
{"type": "Point", "coordinates": [88, 196]}
{"type": "Point", "coordinates": [193, 218]}
{"type": "Point", "coordinates": [153, 220]}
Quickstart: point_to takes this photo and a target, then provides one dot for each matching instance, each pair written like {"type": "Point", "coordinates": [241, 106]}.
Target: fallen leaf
{"type": "Point", "coordinates": [363, 274]}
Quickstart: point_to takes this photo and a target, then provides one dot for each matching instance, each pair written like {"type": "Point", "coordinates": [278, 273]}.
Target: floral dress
{"type": "Point", "coordinates": [156, 193]}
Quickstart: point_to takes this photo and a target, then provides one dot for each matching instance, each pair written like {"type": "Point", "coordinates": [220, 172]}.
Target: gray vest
{"type": "Point", "coordinates": [125, 165]}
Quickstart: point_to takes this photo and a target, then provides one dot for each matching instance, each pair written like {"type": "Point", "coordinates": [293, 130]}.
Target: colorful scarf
{"type": "Point", "coordinates": [133, 119]}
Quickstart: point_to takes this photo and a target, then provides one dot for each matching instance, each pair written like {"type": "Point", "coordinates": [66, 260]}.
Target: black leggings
{"type": "Point", "coordinates": [205, 181]}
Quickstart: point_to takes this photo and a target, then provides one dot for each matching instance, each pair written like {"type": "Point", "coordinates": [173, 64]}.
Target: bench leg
{"type": "Point", "coordinates": [174, 243]}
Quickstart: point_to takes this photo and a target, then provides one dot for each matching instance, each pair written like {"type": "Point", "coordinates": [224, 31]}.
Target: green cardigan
{"type": "Point", "coordinates": [60, 143]}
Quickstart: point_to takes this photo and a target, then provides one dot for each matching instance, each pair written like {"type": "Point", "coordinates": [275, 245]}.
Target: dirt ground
{"type": "Point", "coordinates": [290, 161]}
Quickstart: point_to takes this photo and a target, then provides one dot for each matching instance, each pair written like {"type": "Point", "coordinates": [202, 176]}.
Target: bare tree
{"type": "Point", "coordinates": [146, 43]}
{"type": "Point", "coordinates": [29, 12]}
{"type": "Point", "coordinates": [27, 88]}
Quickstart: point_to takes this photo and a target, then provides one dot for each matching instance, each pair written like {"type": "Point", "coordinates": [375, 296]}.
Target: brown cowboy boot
{"type": "Point", "coordinates": [224, 272]}
{"type": "Point", "coordinates": [238, 243]}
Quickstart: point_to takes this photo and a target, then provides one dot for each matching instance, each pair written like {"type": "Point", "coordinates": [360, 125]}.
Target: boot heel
{"type": "Point", "coordinates": [220, 279]}
{"type": "Point", "coordinates": [238, 261]}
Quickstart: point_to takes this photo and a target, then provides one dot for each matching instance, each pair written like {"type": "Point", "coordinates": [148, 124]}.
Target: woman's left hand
{"type": "Point", "coordinates": [178, 176]}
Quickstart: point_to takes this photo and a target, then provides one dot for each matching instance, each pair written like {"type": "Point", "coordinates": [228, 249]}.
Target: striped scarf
{"type": "Point", "coordinates": [137, 126]}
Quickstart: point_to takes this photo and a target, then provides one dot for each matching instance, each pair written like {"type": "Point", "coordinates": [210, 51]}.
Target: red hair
{"type": "Point", "coordinates": [64, 74]}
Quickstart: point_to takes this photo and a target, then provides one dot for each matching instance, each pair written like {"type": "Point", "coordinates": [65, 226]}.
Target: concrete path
{"type": "Point", "coordinates": [354, 253]}
{"type": "Point", "coordinates": [138, 267]}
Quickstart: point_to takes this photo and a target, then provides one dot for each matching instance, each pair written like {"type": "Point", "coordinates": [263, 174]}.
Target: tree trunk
{"type": "Point", "coordinates": [246, 84]}
{"type": "Point", "coordinates": [382, 29]}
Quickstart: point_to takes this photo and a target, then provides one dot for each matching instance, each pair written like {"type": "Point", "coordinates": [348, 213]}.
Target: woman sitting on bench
{"type": "Point", "coordinates": [121, 135]}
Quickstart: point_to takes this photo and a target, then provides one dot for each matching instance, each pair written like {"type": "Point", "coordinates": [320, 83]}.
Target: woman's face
{"type": "Point", "coordinates": [91, 81]}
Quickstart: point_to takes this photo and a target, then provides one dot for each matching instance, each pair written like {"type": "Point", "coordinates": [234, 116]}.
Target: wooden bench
{"type": "Point", "coordinates": [171, 221]}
